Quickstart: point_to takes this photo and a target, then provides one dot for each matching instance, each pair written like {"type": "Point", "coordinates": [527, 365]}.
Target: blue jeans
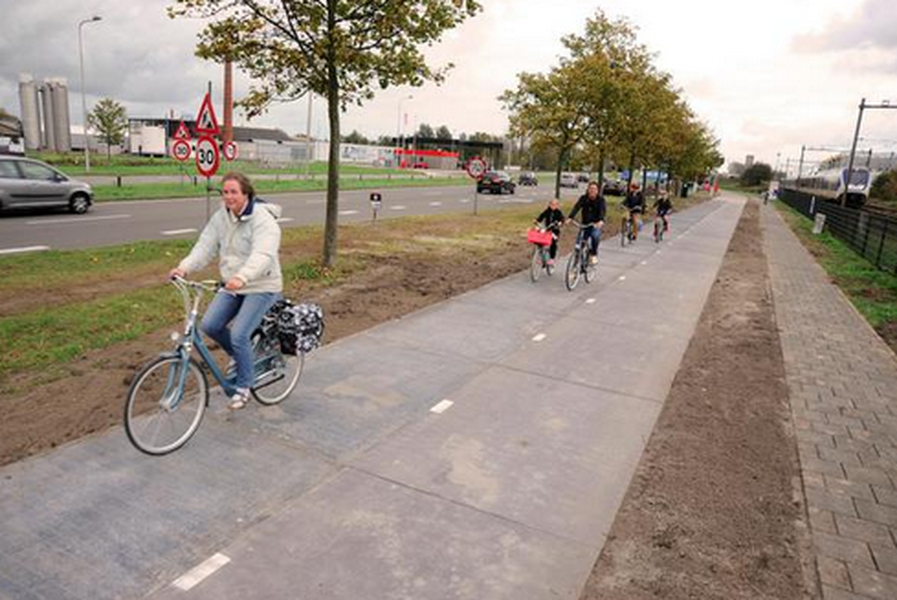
{"type": "Point", "coordinates": [244, 313]}
{"type": "Point", "coordinates": [594, 234]}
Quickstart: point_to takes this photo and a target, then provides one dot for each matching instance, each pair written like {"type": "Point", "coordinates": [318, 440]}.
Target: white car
{"type": "Point", "coordinates": [569, 180]}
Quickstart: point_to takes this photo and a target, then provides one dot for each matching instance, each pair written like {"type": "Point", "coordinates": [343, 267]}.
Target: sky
{"type": "Point", "coordinates": [767, 76]}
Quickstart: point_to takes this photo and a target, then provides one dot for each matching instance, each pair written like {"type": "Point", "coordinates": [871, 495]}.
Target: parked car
{"type": "Point", "coordinates": [582, 177]}
{"type": "Point", "coordinates": [527, 178]}
{"type": "Point", "coordinates": [495, 182]}
{"type": "Point", "coordinates": [569, 180]}
{"type": "Point", "coordinates": [29, 183]}
{"type": "Point", "coordinates": [614, 187]}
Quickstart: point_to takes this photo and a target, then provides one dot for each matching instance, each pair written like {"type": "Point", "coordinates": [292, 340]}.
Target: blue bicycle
{"type": "Point", "coordinates": [169, 395]}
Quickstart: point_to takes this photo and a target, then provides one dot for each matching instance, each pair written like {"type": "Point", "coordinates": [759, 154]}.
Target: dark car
{"type": "Point", "coordinates": [496, 182]}
{"type": "Point", "coordinates": [28, 183]}
{"type": "Point", "coordinates": [614, 188]}
{"type": "Point", "coordinates": [527, 178]}
{"type": "Point", "coordinates": [582, 177]}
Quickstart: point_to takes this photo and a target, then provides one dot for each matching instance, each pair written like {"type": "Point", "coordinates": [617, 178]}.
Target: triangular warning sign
{"type": "Point", "coordinates": [206, 122]}
{"type": "Point", "coordinates": [182, 133]}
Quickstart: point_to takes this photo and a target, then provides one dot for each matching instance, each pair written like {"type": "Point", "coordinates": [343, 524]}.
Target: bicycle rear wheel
{"type": "Point", "coordinates": [624, 232]}
{"type": "Point", "coordinates": [277, 374]}
{"type": "Point", "coordinates": [547, 261]}
{"type": "Point", "coordinates": [165, 404]}
{"type": "Point", "coordinates": [535, 265]}
{"type": "Point", "coordinates": [658, 231]}
{"type": "Point", "coordinates": [571, 278]}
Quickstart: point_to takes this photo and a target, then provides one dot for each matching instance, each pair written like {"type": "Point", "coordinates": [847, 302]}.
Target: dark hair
{"type": "Point", "coordinates": [245, 184]}
{"type": "Point", "coordinates": [595, 183]}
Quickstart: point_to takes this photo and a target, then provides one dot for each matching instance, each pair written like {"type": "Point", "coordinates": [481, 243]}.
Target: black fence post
{"type": "Point", "coordinates": [881, 246]}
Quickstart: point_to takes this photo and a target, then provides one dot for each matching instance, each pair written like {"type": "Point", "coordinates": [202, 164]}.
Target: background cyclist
{"type": "Point", "coordinates": [245, 236]}
{"type": "Point", "coordinates": [552, 218]}
{"type": "Point", "coordinates": [594, 209]}
{"type": "Point", "coordinates": [635, 205]}
{"type": "Point", "coordinates": [663, 206]}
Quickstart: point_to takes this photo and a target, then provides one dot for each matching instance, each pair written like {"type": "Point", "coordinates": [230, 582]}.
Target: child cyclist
{"type": "Point", "coordinates": [552, 218]}
{"type": "Point", "coordinates": [663, 206]}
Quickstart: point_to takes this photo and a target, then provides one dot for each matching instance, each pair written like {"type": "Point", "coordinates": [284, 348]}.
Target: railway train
{"type": "Point", "coordinates": [830, 184]}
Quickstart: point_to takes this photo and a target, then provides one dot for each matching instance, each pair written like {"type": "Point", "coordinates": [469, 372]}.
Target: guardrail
{"type": "Point", "coordinates": [872, 236]}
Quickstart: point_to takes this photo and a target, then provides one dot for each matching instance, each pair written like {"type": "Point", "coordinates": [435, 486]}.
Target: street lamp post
{"type": "Point", "coordinates": [399, 141]}
{"type": "Point", "coordinates": [83, 95]}
{"type": "Point", "coordinates": [885, 105]}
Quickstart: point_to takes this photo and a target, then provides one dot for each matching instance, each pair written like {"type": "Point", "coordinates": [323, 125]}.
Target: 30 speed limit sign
{"type": "Point", "coordinates": [180, 150]}
{"type": "Point", "coordinates": [208, 158]}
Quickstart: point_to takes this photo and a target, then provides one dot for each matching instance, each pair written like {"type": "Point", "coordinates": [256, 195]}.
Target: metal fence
{"type": "Point", "coordinates": [872, 236]}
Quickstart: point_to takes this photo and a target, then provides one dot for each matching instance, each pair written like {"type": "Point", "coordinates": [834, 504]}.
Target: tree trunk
{"type": "Point", "coordinates": [631, 170]}
{"type": "Point", "coordinates": [333, 108]}
{"type": "Point", "coordinates": [601, 172]}
{"type": "Point", "coordinates": [562, 156]}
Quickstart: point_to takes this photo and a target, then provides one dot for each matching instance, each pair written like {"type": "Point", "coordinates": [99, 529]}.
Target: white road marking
{"type": "Point", "coordinates": [435, 203]}
{"type": "Point", "coordinates": [348, 212]}
{"type": "Point", "coordinates": [644, 262]}
{"type": "Point", "coordinates": [24, 249]}
{"type": "Point", "coordinates": [539, 337]}
{"type": "Point", "coordinates": [398, 207]}
{"type": "Point", "coordinates": [441, 406]}
{"type": "Point", "coordinates": [285, 219]}
{"type": "Point", "coordinates": [590, 301]}
{"type": "Point", "coordinates": [77, 220]}
{"type": "Point", "coordinates": [178, 231]}
{"type": "Point", "coordinates": [197, 574]}
{"type": "Point", "coordinates": [464, 200]}
{"type": "Point", "coordinates": [314, 201]}
{"type": "Point", "coordinates": [622, 278]}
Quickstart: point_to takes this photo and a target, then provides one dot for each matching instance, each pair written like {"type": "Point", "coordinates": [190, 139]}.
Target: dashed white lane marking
{"type": "Point", "coordinates": [398, 207]}
{"type": "Point", "coordinates": [622, 278]}
{"type": "Point", "coordinates": [314, 201]}
{"type": "Point", "coordinates": [590, 301]}
{"type": "Point", "coordinates": [441, 407]}
{"type": "Point", "coordinates": [348, 212]}
{"type": "Point", "coordinates": [464, 200]}
{"type": "Point", "coordinates": [77, 220]}
{"type": "Point", "coordinates": [644, 262]}
{"type": "Point", "coordinates": [285, 219]}
{"type": "Point", "coordinates": [539, 337]}
{"type": "Point", "coordinates": [178, 231]}
{"type": "Point", "coordinates": [194, 576]}
{"type": "Point", "coordinates": [435, 203]}
{"type": "Point", "coordinates": [24, 249]}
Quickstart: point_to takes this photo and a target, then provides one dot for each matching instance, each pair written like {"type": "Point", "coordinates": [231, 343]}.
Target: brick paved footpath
{"type": "Point", "coordinates": [843, 386]}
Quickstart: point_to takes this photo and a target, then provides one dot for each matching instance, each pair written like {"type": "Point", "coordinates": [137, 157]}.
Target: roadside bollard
{"type": "Point", "coordinates": [376, 203]}
{"type": "Point", "coordinates": [118, 180]}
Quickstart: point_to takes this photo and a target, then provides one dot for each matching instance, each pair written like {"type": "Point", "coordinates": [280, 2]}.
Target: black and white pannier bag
{"type": "Point", "coordinates": [300, 327]}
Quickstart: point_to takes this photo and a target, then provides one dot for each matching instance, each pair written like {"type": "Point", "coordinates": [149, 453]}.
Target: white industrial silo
{"type": "Point", "coordinates": [61, 123]}
{"type": "Point", "coordinates": [48, 132]}
{"type": "Point", "coordinates": [30, 111]}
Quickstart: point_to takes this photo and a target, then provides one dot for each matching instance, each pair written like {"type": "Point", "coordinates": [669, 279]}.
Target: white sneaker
{"type": "Point", "coordinates": [593, 260]}
{"type": "Point", "coordinates": [239, 400]}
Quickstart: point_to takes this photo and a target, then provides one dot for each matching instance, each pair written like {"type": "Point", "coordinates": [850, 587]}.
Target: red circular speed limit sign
{"type": "Point", "coordinates": [208, 159]}
{"type": "Point", "coordinates": [230, 151]}
{"type": "Point", "coordinates": [476, 167]}
{"type": "Point", "coordinates": [180, 150]}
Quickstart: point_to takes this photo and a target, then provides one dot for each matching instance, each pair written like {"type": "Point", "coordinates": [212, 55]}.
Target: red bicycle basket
{"type": "Point", "coordinates": [534, 236]}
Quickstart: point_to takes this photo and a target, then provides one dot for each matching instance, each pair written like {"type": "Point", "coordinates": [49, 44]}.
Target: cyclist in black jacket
{"type": "Point", "coordinates": [594, 209]}
{"type": "Point", "coordinates": [552, 218]}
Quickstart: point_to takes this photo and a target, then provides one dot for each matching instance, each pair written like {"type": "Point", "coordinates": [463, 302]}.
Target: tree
{"type": "Point", "coordinates": [110, 120]}
{"type": "Point", "coordinates": [339, 49]}
{"type": "Point", "coordinates": [443, 133]}
{"type": "Point", "coordinates": [757, 174]}
{"type": "Point", "coordinates": [425, 131]}
{"type": "Point", "coordinates": [356, 138]}
{"type": "Point", "coordinates": [884, 187]}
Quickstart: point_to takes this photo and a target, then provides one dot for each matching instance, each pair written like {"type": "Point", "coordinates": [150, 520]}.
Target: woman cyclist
{"type": "Point", "coordinates": [552, 218]}
{"type": "Point", "coordinates": [245, 236]}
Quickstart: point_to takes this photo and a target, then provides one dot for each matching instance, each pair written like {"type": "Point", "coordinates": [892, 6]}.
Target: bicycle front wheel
{"type": "Point", "coordinates": [571, 277]}
{"type": "Point", "coordinates": [535, 265]}
{"type": "Point", "coordinates": [165, 404]}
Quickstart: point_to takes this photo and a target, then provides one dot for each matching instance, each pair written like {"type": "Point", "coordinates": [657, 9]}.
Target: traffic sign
{"type": "Point", "coordinates": [208, 159]}
{"type": "Point", "coordinates": [476, 166]}
{"type": "Point", "coordinates": [206, 121]}
{"type": "Point", "coordinates": [180, 149]}
{"type": "Point", "coordinates": [182, 132]}
{"type": "Point", "coordinates": [229, 149]}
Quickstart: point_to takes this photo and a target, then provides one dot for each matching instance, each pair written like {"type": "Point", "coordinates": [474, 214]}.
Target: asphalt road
{"type": "Point", "coordinates": [111, 223]}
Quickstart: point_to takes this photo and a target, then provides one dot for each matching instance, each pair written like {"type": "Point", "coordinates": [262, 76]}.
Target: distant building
{"type": "Point", "coordinates": [748, 161]}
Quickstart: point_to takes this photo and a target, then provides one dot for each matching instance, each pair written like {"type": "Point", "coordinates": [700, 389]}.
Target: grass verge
{"type": "Point", "coordinates": [150, 191]}
{"type": "Point", "coordinates": [872, 291]}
